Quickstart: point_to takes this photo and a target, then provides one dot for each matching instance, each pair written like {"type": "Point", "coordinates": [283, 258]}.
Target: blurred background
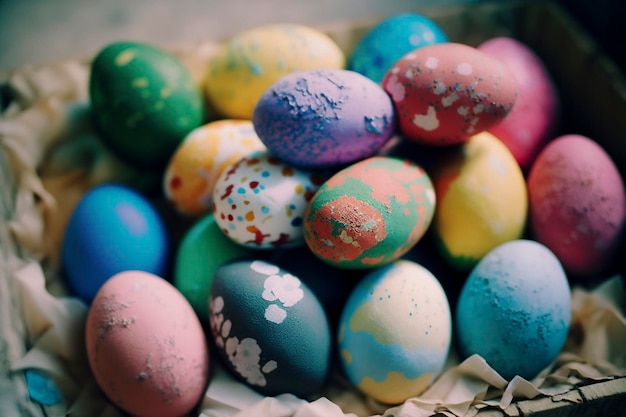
{"type": "Point", "coordinates": [39, 31]}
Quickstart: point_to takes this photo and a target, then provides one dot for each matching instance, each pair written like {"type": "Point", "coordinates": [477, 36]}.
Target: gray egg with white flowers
{"type": "Point", "coordinates": [269, 328]}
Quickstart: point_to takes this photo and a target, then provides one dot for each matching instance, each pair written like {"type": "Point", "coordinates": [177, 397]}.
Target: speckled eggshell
{"type": "Point", "coordinates": [269, 329]}
{"type": "Point", "coordinates": [535, 116]}
{"type": "Point", "coordinates": [324, 118]}
{"type": "Point", "coordinates": [577, 204]}
{"type": "Point", "coordinates": [395, 332]}
{"type": "Point", "coordinates": [389, 40]}
{"type": "Point", "coordinates": [482, 200]}
{"type": "Point", "coordinates": [254, 59]}
{"type": "Point", "coordinates": [199, 160]}
{"type": "Point", "coordinates": [146, 347]}
{"type": "Point", "coordinates": [259, 202]}
{"type": "Point", "coordinates": [370, 213]}
{"type": "Point", "coordinates": [515, 309]}
{"type": "Point", "coordinates": [446, 92]}
{"type": "Point", "coordinates": [144, 102]}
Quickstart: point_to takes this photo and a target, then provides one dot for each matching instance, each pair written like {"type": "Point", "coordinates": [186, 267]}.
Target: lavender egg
{"type": "Point", "coordinates": [324, 118]}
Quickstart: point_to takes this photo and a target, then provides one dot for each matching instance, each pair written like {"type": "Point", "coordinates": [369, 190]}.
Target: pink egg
{"type": "Point", "coordinates": [146, 347]}
{"type": "Point", "coordinates": [446, 92]}
{"type": "Point", "coordinates": [534, 118]}
{"type": "Point", "coordinates": [577, 204]}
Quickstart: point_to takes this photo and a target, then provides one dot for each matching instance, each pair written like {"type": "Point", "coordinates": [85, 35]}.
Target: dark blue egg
{"type": "Point", "coordinates": [389, 40]}
{"type": "Point", "coordinates": [269, 328]}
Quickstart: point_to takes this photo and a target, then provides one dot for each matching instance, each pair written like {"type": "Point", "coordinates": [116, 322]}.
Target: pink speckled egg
{"type": "Point", "coordinates": [259, 202]}
{"type": "Point", "coordinates": [446, 92]}
{"type": "Point", "coordinates": [535, 116]}
{"type": "Point", "coordinates": [202, 156]}
{"type": "Point", "coordinates": [146, 347]}
{"type": "Point", "coordinates": [577, 204]}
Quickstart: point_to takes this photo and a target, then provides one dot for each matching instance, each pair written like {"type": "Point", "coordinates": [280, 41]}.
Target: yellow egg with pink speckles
{"type": "Point", "coordinates": [199, 160]}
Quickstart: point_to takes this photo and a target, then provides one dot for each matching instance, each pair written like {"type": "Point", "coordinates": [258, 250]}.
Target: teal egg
{"type": "Point", "coordinates": [395, 332]}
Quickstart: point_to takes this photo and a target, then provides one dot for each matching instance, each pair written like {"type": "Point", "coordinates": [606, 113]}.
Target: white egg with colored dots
{"type": "Point", "coordinates": [395, 332]}
{"type": "Point", "coordinates": [259, 201]}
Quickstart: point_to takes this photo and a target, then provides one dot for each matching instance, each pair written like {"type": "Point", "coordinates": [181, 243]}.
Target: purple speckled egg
{"type": "Point", "coordinates": [324, 118]}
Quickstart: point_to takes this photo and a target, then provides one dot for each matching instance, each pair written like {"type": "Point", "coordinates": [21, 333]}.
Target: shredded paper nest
{"type": "Point", "coordinates": [50, 157]}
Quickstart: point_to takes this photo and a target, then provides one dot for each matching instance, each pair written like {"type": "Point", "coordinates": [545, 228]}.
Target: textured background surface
{"type": "Point", "coordinates": [35, 31]}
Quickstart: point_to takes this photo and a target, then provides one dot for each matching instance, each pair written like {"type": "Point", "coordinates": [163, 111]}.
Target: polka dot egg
{"type": "Point", "coordinates": [260, 201]}
{"type": "Point", "coordinates": [201, 158]}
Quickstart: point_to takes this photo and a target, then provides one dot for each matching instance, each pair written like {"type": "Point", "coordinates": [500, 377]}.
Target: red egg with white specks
{"type": "Point", "coordinates": [260, 200]}
{"type": "Point", "coordinates": [444, 93]}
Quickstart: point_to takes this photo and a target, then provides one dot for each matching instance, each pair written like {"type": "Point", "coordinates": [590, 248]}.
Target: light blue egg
{"type": "Point", "coordinates": [389, 40]}
{"type": "Point", "coordinates": [515, 309]}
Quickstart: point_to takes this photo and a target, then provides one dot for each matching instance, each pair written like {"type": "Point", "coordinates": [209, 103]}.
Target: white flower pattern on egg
{"type": "Point", "coordinates": [244, 355]}
{"type": "Point", "coordinates": [286, 289]}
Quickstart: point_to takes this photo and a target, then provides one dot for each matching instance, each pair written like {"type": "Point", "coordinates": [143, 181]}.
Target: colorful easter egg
{"type": "Point", "coordinates": [269, 329]}
{"type": "Point", "coordinates": [535, 116]}
{"type": "Point", "coordinates": [370, 213]}
{"type": "Point", "coordinates": [324, 118]}
{"type": "Point", "coordinates": [446, 92]}
{"type": "Point", "coordinates": [515, 309]}
{"type": "Point", "coordinates": [395, 332]}
{"type": "Point", "coordinates": [259, 202]}
{"type": "Point", "coordinates": [389, 40]}
{"type": "Point", "coordinates": [200, 159]}
{"type": "Point", "coordinates": [144, 102]}
{"type": "Point", "coordinates": [482, 199]}
{"type": "Point", "coordinates": [252, 60]}
{"type": "Point", "coordinates": [577, 204]}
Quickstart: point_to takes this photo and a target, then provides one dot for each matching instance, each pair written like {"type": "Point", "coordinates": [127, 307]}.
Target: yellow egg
{"type": "Point", "coordinates": [253, 60]}
{"type": "Point", "coordinates": [199, 160]}
{"type": "Point", "coordinates": [482, 199]}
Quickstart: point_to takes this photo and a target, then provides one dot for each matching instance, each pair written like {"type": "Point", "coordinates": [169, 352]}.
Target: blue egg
{"type": "Point", "coordinates": [515, 309]}
{"type": "Point", "coordinates": [389, 40]}
{"type": "Point", "coordinates": [269, 329]}
{"type": "Point", "coordinates": [112, 229]}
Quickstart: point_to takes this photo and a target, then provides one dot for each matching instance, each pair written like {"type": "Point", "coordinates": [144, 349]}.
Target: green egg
{"type": "Point", "coordinates": [144, 102]}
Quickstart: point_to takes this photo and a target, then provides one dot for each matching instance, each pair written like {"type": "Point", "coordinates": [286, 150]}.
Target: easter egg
{"type": "Point", "coordinates": [145, 346]}
{"type": "Point", "coordinates": [395, 332]}
{"type": "Point", "coordinates": [482, 200]}
{"type": "Point", "coordinates": [269, 329]}
{"type": "Point", "coordinates": [535, 116]}
{"type": "Point", "coordinates": [515, 309]}
{"type": "Point", "coordinates": [577, 204]}
{"type": "Point", "coordinates": [369, 213]}
{"type": "Point", "coordinates": [203, 249]}
{"type": "Point", "coordinates": [144, 102]}
{"type": "Point", "coordinates": [199, 160]}
{"type": "Point", "coordinates": [324, 118]}
{"type": "Point", "coordinates": [112, 229]}
{"type": "Point", "coordinates": [446, 92]}
{"type": "Point", "coordinates": [260, 200]}
{"type": "Point", "coordinates": [389, 40]}
{"type": "Point", "coordinates": [252, 60]}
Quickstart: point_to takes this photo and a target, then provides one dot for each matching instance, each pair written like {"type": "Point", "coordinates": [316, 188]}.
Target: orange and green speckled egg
{"type": "Point", "coordinates": [370, 213]}
{"type": "Point", "coordinates": [252, 60]}
{"type": "Point", "coordinates": [144, 102]}
{"type": "Point", "coordinates": [482, 200]}
{"type": "Point", "coordinates": [200, 159]}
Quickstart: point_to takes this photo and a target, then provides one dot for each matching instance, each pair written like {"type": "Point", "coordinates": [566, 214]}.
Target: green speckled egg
{"type": "Point", "coordinates": [370, 213]}
{"type": "Point", "coordinates": [144, 102]}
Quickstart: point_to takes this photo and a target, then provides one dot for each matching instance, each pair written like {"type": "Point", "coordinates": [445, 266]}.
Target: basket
{"type": "Point", "coordinates": [50, 157]}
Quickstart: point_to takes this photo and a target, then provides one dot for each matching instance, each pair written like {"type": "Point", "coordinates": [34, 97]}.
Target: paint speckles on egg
{"type": "Point", "coordinates": [465, 81]}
